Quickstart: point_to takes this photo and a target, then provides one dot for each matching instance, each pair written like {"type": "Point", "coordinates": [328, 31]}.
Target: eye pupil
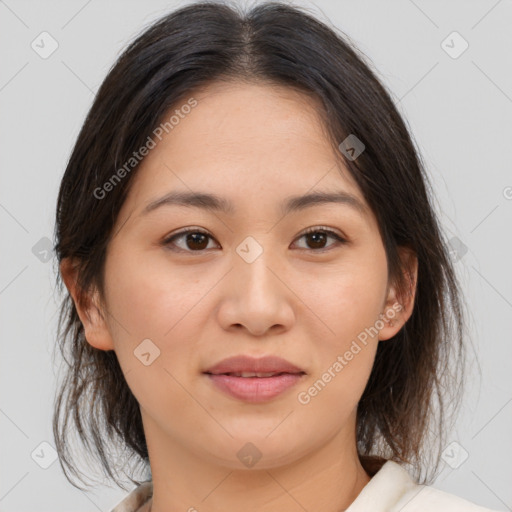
{"type": "Point", "coordinates": [318, 237]}
{"type": "Point", "coordinates": [196, 238]}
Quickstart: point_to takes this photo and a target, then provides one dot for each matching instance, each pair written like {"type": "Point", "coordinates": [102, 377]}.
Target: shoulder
{"type": "Point", "coordinates": [392, 489]}
{"type": "Point", "coordinates": [137, 500]}
{"type": "Point", "coordinates": [426, 499]}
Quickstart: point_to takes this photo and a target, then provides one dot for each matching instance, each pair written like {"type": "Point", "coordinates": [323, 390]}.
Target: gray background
{"type": "Point", "coordinates": [460, 113]}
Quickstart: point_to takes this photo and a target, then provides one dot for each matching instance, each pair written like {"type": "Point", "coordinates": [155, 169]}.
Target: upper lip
{"type": "Point", "coordinates": [243, 363]}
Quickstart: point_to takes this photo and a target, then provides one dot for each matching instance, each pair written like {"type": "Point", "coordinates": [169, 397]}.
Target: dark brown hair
{"type": "Point", "coordinates": [417, 374]}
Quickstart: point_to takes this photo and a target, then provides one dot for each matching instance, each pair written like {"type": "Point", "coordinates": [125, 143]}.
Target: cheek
{"type": "Point", "coordinates": [151, 301]}
{"type": "Point", "coordinates": [332, 395]}
{"type": "Point", "coordinates": [349, 306]}
{"type": "Point", "coordinates": [149, 296]}
{"type": "Point", "coordinates": [346, 301]}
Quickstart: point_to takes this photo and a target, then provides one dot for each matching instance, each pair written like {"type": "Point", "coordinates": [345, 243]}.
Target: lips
{"type": "Point", "coordinates": [246, 366]}
{"type": "Point", "coordinates": [254, 380]}
{"type": "Point", "coordinates": [252, 374]}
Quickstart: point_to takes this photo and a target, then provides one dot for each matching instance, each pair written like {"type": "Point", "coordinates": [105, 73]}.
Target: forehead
{"type": "Point", "coordinates": [244, 140]}
{"type": "Point", "coordinates": [242, 118]}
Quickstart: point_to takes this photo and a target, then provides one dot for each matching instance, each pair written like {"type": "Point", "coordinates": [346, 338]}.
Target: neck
{"type": "Point", "coordinates": [328, 479]}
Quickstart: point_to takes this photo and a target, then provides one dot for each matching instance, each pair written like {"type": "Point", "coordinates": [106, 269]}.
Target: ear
{"type": "Point", "coordinates": [398, 308]}
{"type": "Point", "coordinates": [96, 329]}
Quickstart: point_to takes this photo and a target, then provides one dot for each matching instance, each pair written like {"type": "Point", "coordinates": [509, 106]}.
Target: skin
{"type": "Point", "coordinates": [254, 145]}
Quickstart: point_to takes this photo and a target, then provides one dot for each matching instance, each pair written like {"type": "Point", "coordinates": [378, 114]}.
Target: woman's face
{"type": "Point", "coordinates": [253, 284]}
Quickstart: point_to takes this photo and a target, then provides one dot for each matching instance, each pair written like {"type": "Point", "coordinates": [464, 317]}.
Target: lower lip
{"type": "Point", "coordinates": [255, 389]}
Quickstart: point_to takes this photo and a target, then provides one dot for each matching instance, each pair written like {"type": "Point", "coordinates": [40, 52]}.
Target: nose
{"type": "Point", "coordinates": [256, 297]}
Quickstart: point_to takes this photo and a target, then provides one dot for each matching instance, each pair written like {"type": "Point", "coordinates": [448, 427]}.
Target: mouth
{"type": "Point", "coordinates": [254, 387]}
{"type": "Point", "coordinates": [252, 379]}
{"type": "Point", "coordinates": [242, 364]}
{"type": "Point", "coordinates": [260, 375]}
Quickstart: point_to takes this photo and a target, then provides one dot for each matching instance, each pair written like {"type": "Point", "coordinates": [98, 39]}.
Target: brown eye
{"type": "Point", "coordinates": [194, 240]}
{"type": "Point", "coordinates": [317, 237]}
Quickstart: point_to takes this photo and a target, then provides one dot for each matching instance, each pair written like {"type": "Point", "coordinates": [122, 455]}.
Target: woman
{"type": "Point", "coordinates": [261, 304]}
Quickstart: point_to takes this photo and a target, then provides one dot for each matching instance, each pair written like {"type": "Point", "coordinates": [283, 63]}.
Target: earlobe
{"type": "Point", "coordinates": [399, 307]}
{"type": "Point", "coordinates": [89, 310]}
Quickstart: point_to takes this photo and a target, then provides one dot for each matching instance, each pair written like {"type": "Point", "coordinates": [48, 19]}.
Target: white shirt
{"type": "Point", "coordinates": [391, 489]}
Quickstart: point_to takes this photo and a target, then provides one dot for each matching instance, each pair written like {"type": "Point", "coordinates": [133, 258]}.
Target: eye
{"type": "Point", "coordinates": [318, 236]}
{"type": "Point", "coordinates": [195, 239]}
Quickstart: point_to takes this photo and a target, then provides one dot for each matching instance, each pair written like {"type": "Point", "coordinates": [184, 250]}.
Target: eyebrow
{"type": "Point", "coordinates": [214, 203]}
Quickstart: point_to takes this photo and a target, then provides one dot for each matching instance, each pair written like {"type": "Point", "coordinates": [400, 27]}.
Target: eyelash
{"type": "Point", "coordinates": [320, 229]}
